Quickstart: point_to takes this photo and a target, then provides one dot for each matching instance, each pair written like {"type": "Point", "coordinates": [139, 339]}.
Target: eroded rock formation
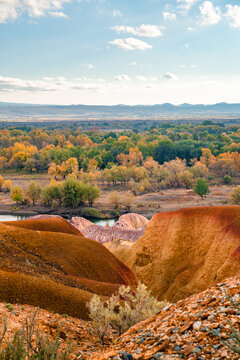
{"type": "Point", "coordinates": [106, 234]}
{"type": "Point", "coordinates": [131, 221]}
{"type": "Point", "coordinates": [129, 227]}
{"type": "Point", "coordinates": [56, 270]}
{"type": "Point", "coordinates": [186, 251]}
{"type": "Point", "coordinates": [80, 223]}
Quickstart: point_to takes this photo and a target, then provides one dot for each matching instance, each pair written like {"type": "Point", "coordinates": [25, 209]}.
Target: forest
{"type": "Point", "coordinates": [163, 156]}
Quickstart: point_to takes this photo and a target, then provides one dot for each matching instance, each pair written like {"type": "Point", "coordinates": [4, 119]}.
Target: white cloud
{"type": "Point", "coordinates": [117, 13]}
{"type": "Point", "coordinates": [130, 44]}
{"type": "Point", "coordinates": [8, 10]}
{"type": "Point", "coordinates": [48, 84]}
{"type": "Point", "coordinates": [233, 15]}
{"type": "Point", "coordinates": [90, 66]}
{"type": "Point", "coordinates": [122, 78]}
{"type": "Point", "coordinates": [11, 9]}
{"type": "Point", "coordinates": [186, 46]}
{"type": "Point", "coordinates": [133, 63]}
{"type": "Point", "coordinates": [210, 14]}
{"type": "Point", "coordinates": [169, 76]}
{"type": "Point", "coordinates": [191, 29]}
{"type": "Point", "coordinates": [186, 5]}
{"type": "Point", "coordinates": [169, 16]}
{"type": "Point", "coordinates": [143, 30]}
{"type": "Point", "coordinates": [58, 14]}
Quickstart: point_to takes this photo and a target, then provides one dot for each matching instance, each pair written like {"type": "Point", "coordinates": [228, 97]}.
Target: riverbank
{"type": "Point", "coordinates": [146, 204]}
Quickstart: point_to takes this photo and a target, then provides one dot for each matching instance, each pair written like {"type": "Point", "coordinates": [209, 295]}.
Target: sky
{"type": "Point", "coordinates": [107, 52]}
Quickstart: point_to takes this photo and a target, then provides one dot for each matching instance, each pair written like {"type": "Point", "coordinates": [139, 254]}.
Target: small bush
{"type": "Point", "coordinates": [227, 179]}
{"type": "Point", "coordinates": [9, 307]}
{"type": "Point", "coordinates": [235, 196]}
{"type": "Point", "coordinates": [7, 185]}
{"type": "Point", "coordinates": [114, 198]}
{"type": "Point", "coordinates": [92, 213]}
{"type": "Point", "coordinates": [128, 200]}
{"type": "Point", "coordinates": [29, 343]}
{"type": "Point", "coordinates": [122, 310]}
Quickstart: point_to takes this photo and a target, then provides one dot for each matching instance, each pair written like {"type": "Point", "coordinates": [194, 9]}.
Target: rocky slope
{"type": "Point", "coordinates": [78, 333]}
{"type": "Point", "coordinates": [180, 331]}
{"type": "Point", "coordinates": [56, 270]}
{"type": "Point", "coordinates": [129, 227]}
{"type": "Point", "coordinates": [107, 234]}
{"type": "Point", "coordinates": [186, 251]}
{"type": "Point", "coordinates": [186, 330]}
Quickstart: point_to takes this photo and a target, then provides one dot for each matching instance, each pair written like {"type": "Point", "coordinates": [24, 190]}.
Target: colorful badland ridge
{"type": "Point", "coordinates": [56, 270]}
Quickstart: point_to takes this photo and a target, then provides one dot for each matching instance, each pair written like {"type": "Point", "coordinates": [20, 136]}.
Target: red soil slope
{"type": "Point", "coordinates": [55, 224]}
{"type": "Point", "coordinates": [55, 270]}
{"type": "Point", "coordinates": [186, 251]}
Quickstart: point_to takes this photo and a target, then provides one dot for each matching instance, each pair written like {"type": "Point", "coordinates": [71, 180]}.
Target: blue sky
{"type": "Point", "coordinates": [112, 51]}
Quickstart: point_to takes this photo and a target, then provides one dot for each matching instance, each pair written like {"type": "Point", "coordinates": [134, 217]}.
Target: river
{"type": "Point", "coordinates": [20, 217]}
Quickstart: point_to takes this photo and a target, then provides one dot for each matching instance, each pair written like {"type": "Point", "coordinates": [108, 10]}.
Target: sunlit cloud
{"type": "Point", "coordinates": [130, 44]}
{"type": "Point", "coordinates": [142, 30]}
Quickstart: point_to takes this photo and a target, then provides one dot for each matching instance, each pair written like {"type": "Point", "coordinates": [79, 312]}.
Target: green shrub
{"type": "Point", "coordinates": [75, 193]}
{"type": "Point", "coordinates": [227, 179]}
{"type": "Point", "coordinates": [92, 213]}
{"type": "Point", "coordinates": [9, 307]}
{"type": "Point", "coordinates": [201, 188]}
{"type": "Point", "coordinates": [122, 310]}
{"type": "Point", "coordinates": [29, 343]}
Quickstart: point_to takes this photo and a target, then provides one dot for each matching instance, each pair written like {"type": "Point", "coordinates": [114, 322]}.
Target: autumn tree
{"type": "Point", "coordinates": [53, 193]}
{"type": "Point", "coordinates": [34, 192]}
{"type": "Point", "coordinates": [1, 181]}
{"type": "Point", "coordinates": [128, 200]}
{"type": "Point", "coordinates": [114, 199]}
{"type": "Point", "coordinates": [235, 196]}
{"type": "Point", "coordinates": [7, 185]}
{"type": "Point", "coordinates": [16, 194]}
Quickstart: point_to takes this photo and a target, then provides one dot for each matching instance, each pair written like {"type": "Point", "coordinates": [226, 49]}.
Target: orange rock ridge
{"type": "Point", "coordinates": [186, 251]}
{"type": "Point", "coordinates": [56, 270]}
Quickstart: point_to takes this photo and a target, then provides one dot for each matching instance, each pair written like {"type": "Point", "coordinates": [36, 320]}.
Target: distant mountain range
{"type": "Point", "coordinates": [28, 112]}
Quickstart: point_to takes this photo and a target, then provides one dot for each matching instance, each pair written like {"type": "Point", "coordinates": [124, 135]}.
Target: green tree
{"type": "Point", "coordinates": [53, 193]}
{"type": "Point", "coordinates": [201, 188]}
{"type": "Point", "coordinates": [91, 193]}
{"type": "Point", "coordinates": [16, 194]}
{"type": "Point", "coordinates": [73, 193]}
{"type": "Point", "coordinates": [34, 192]}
